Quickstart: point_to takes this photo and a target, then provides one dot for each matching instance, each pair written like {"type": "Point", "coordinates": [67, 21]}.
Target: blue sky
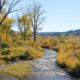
{"type": "Point", "coordinates": [61, 15]}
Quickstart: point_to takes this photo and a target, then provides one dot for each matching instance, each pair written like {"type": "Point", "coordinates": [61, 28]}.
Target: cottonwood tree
{"type": "Point", "coordinates": [24, 25]}
{"type": "Point", "coordinates": [5, 27]}
{"type": "Point", "coordinates": [36, 17]}
{"type": "Point", "coordinates": [9, 8]}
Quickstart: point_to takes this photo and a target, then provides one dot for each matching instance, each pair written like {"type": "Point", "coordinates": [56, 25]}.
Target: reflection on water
{"type": "Point", "coordinates": [44, 69]}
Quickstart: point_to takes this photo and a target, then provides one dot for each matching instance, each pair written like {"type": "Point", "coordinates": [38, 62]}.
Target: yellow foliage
{"type": "Point", "coordinates": [49, 42]}
{"type": "Point", "coordinates": [34, 53]}
{"type": "Point", "coordinates": [68, 55]}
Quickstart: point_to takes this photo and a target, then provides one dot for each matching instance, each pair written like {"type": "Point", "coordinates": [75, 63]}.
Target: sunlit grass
{"type": "Point", "coordinates": [19, 70]}
{"type": "Point", "coordinates": [68, 55]}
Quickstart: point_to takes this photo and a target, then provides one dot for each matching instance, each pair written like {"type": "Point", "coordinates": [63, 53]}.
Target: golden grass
{"type": "Point", "coordinates": [19, 70]}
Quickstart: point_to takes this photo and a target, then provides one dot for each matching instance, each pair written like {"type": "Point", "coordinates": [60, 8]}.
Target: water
{"type": "Point", "coordinates": [44, 68]}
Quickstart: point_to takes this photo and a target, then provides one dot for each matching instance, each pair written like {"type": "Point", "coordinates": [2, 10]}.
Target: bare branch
{"type": "Point", "coordinates": [19, 26]}
{"type": "Point", "coordinates": [10, 9]}
{"type": "Point", "coordinates": [13, 4]}
{"type": "Point", "coordinates": [35, 13]}
{"type": "Point", "coordinates": [2, 4]}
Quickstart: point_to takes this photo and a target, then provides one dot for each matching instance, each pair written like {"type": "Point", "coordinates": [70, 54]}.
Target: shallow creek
{"type": "Point", "coordinates": [44, 68]}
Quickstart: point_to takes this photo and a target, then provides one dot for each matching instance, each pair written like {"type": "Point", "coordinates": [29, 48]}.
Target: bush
{"type": "Point", "coordinates": [21, 53]}
{"type": "Point", "coordinates": [34, 53]}
{"type": "Point", "coordinates": [15, 52]}
{"type": "Point", "coordinates": [69, 56]}
{"type": "Point", "coordinates": [5, 51]}
{"type": "Point", "coordinates": [49, 42]}
{"type": "Point", "coordinates": [4, 45]}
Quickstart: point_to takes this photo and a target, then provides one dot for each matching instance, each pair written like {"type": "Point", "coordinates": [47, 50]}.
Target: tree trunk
{"type": "Point", "coordinates": [34, 35]}
{"type": "Point", "coordinates": [6, 36]}
{"type": "Point", "coordinates": [7, 33]}
{"type": "Point", "coordinates": [24, 37]}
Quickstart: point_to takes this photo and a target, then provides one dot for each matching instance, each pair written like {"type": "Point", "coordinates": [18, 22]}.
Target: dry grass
{"type": "Point", "coordinates": [19, 70]}
{"type": "Point", "coordinates": [68, 55]}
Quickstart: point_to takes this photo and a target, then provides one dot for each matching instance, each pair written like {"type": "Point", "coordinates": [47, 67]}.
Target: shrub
{"type": "Point", "coordinates": [19, 43]}
{"type": "Point", "coordinates": [68, 55]}
{"type": "Point", "coordinates": [15, 52]}
{"type": "Point", "coordinates": [49, 42]}
{"type": "Point", "coordinates": [25, 53]}
{"type": "Point", "coordinates": [4, 45]}
{"type": "Point", "coordinates": [34, 53]}
{"type": "Point", "coordinates": [5, 51]}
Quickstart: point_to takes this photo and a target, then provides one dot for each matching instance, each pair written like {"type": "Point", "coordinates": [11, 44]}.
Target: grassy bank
{"type": "Point", "coordinates": [68, 57]}
{"type": "Point", "coordinates": [14, 52]}
{"type": "Point", "coordinates": [18, 70]}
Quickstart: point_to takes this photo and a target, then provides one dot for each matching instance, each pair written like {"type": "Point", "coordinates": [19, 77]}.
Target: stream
{"type": "Point", "coordinates": [44, 68]}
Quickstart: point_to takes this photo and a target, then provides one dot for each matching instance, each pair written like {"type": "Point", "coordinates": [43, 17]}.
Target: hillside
{"type": "Point", "coordinates": [71, 32]}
